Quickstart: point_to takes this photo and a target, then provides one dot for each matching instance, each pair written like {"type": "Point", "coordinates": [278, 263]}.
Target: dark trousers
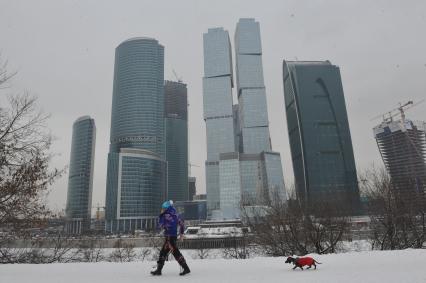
{"type": "Point", "coordinates": [170, 246]}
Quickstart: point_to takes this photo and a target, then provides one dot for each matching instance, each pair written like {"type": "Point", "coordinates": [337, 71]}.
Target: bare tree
{"type": "Point", "coordinates": [283, 228]}
{"type": "Point", "coordinates": [325, 226]}
{"type": "Point", "coordinates": [397, 216]}
{"type": "Point", "coordinates": [25, 175]}
{"type": "Point", "coordinates": [5, 76]}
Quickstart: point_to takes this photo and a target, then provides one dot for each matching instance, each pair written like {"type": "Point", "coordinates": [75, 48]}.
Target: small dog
{"type": "Point", "coordinates": [302, 261]}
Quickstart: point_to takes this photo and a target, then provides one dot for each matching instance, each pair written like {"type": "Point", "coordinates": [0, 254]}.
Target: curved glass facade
{"type": "Point", "coordinates": [137, 118]}
{"type": "Point", "coordinates": [80, 180]}
{"type": "Point", "coordinates": [318, 128]}
{"type": "Point", "coordinates": [136, 180]}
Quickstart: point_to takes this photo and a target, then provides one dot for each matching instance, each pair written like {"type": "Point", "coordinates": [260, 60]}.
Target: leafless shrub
{"type": "Point", "coordinates": [144, 254]}
{"type": "Point", "coordinates": [155, 243]}
{"type": "Point", "coordinates": [59, 250]}
{"type": "Point", "coordinates": [236, 251]}
{"type": "Point", "coordinates": [283, 228]}
{"type": "Point", "coordinates": [91, 251]}
{"type": "Point", "coordinates": [201, 254]}
{"type": "Point", "coordinates": [123, 252]}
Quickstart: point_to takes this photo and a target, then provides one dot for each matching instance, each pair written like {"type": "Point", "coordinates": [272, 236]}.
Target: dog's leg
{"type": "Point", "coordinates": [294, 267]}
{"type": "Point", "coordinates": [301, 267]}
{"type": "Point", "coordinates": [315, 266]}
{"type": "Point", "coordinates": [309, 266]}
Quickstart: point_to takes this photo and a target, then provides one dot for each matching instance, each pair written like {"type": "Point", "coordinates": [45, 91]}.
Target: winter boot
{"type": "Point", "coordinates": [158, 270]}
{"type": "Point", "coordinates": [185, 269]}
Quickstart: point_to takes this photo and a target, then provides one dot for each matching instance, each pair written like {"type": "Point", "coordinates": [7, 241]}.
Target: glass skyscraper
{"type": "Point", "coordinates": [261, 168]}
{"type": "Point", "coordinates": [80, 180]}
{"type": "Point", "coordinates": [137, 170]}
{"type": "Point", "coordinates": [318, 128]}
{"type": "Point", "coordinates": [237, 171]}
{"type": "Point", "coordinates": [253, 112]}
{"type": "Point", "coordinates": [176, 119]}
{"type": "Point", "coordinates": [218, 113]}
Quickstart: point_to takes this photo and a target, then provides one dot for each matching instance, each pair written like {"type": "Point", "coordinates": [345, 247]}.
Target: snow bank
{"type": "Point", "coordinates": [372, 266]}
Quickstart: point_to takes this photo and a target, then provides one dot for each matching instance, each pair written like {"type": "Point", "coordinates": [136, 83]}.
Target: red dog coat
{"type": "Point", "coordinates": [302, 261]}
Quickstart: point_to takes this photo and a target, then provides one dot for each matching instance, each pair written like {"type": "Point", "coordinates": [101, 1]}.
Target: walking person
{"type": "Point", "coordinates": [169, 220]}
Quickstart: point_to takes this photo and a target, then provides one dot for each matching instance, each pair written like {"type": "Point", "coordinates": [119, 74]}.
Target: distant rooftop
{"type": "Point", "coordinates": [215, 29]}
{"type": "Point", "coordinates": [246, 20]}
{"type": "Point", "coordinates": [326, 62]}
{"type": "Point", "coordinates": [139, 38]}
{"type": "Point", "coordinates": [86, 117]}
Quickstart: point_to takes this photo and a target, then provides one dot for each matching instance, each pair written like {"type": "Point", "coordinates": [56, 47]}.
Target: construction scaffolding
{"type": "Point", "coordinates": [402, 145]}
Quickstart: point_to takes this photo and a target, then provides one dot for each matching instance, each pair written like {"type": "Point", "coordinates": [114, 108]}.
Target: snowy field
{"type": "Point", "coordinates": [357, 267]}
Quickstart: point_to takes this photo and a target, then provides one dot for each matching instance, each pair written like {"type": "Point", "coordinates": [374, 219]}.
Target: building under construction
{"type": "Point", "coordinates": [402, 145]}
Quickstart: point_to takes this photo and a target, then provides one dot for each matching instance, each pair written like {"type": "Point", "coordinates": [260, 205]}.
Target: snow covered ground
{"type": "Point", "coordinates": [357, 267]}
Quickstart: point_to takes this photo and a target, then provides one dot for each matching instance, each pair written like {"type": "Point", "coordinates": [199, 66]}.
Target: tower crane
{"type": "Point", "coordinates": [400, 110]}
{"type": "Point", "coordinates": [179, 79]}
{"type": "Point", "coordinates": [189, 167]}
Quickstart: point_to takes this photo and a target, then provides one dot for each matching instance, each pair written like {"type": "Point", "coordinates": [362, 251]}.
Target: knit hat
{"type": "Point", "coordinates": [167, 204]}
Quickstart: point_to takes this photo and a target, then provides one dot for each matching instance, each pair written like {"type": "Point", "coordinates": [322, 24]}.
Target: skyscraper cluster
{"type": "Point", "coordinates": [240, 166]}
{"type": "Point", "coordinates": [148, 155]}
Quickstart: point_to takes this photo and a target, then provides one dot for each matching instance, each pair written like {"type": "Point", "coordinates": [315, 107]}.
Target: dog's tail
{"type": "Point", "coordinates": [317, 262]}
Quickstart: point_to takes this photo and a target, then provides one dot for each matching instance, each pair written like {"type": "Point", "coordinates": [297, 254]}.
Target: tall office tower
{"type": "Point", "coordinates": [176, 118]}
{"type": "Point", "coordinates": [402, 146]}
{"type": "Point", "coordinates": [136, 177]}
{"type": "Point", "coordinates": [318, 129]}
{"type": "Point", "coordinates": [259, 177]}
{"type": "Point", "coordinates": [218, 113]}
{"type": "Point", "coordinates": [253, 111]}
{"type": "Point", "coordinates": [80, 180]}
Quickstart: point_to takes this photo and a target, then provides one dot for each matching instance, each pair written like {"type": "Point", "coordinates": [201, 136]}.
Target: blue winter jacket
{"type": "Point", "coordinates": [169, 220]}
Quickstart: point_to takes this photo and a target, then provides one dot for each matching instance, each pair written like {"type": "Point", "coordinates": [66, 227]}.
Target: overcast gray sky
{"type": "Point", "coordinates": [64, 53]}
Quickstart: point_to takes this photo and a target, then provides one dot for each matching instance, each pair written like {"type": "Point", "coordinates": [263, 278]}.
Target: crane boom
{"type": "Point", "coordinates": [400, 110]}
